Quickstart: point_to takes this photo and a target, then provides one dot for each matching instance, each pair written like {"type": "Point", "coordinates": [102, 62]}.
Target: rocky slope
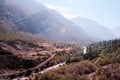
{"type": "Point", "coordinates": [38, 20]}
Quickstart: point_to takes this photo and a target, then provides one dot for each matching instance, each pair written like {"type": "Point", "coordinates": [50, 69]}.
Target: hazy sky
{"type": "Point", "coordinates": [105, 12]}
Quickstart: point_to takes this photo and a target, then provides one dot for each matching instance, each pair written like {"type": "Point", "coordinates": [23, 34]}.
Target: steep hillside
{"type": "Point", "coordinates": [15, 56]}
{"type": "Point", "coordinates": [104, 66]}
{"type": "Point", "coordinates": [9, 14]}
{"type": "Point", "coordinates": [18, 56]}
{"type": "Point", "coordinates": [93, 28]}
{"type": "Point", "coordinates": [38, 20]}
{"type": "Point", "coordinates": [50, 26]}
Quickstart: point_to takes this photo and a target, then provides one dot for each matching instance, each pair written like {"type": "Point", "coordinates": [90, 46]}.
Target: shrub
{"type": "Point", "coordinates": [113, 58]}
{"type": "Point", "coordinates": [109, 72]}
{"type": "Point", "coordinates": [73, 71]}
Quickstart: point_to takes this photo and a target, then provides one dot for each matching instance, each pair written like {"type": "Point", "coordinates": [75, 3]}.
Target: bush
{"type": "Point", "coordinates": [109, 72]}
{"type": "Point", "coordinates": [76, 58]}
{"type": "Point", "coordinates": [113, 58]}
{"type": "Point", "coordinates": [73, 71]}
{"type": "Point", "coordinates": [55, 76]}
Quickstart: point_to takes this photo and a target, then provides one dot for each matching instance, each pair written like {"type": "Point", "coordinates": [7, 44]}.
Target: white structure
{"type": "Point", "coordinates": [84, 50]}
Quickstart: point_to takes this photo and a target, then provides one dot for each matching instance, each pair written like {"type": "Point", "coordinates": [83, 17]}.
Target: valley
{"type": "Point", "coordinates": [100, 62]}
{"type": "Point", "coordinates": [38, 55]}
{"type": "Point", "coordinates": [40, 41]}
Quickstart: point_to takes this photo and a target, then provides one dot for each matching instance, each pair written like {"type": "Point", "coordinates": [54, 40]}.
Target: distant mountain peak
{"type": "Point", "coordinates": [93, 28]}
{"type": "Point", "coordinates": [34, 18]}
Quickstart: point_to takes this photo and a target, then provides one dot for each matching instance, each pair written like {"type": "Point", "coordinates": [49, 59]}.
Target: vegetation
{"type": "Point", "coordinates": [102, 49]}
{"type": "Point", "coordinates": [59, 58]}
{"type": "Point", "coordinates": [65, 56]}
{"type": "Point", "coordinates": [109, 59]}
{"type": "Point", "coordinates": [103, 64]}
{"type": "Point", "coordinates": [75, 58]}
{"type": "Point", "coordinates": [73, 71]}
{"type": "Point", "coordinates": [14, 63]}
{"type": "Point", "coordinates": [110, 72]}
{"type": "Point", "coordinates": [13, 56]}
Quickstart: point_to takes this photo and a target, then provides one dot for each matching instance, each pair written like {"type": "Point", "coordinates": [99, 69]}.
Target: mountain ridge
{"type": "Point", "coordinates": [93, 28]}
{"type": "Point", "coordinates": [46, 23]}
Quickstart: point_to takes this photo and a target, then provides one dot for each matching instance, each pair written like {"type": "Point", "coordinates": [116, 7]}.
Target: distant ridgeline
{"type": "Point", "coordinates": [20, 16]}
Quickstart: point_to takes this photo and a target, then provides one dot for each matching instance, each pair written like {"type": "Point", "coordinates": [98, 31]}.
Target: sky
{"type": "Point", "coordinates": [105, 12]}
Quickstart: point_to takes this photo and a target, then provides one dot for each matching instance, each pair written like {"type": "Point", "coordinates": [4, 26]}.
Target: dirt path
{"type": "Point", "coordinates": [45, 70]}
{"type": "Point", "coordinates": [51, 51]}
{"type": "Point", "coordinates": [39, 65]}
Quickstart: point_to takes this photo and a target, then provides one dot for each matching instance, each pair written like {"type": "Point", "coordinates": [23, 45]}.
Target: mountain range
{"type": "Point", "coordinates": [93, 28]}
{"type": "Point", "coordinates": [40, 21]}
{"type": "Point", "coordinates": [32, 18]}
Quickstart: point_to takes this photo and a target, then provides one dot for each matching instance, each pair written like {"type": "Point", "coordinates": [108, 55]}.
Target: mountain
{"type": "Point", "coordinates": [93, 28]}
{"type": "Point", "coordinates": [116, 30]}
{"type": "Point", "coordinates": [39, 20]}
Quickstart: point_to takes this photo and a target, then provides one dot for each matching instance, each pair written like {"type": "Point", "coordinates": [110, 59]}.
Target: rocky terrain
{"type": "Point", "coordinates": [19, 55]}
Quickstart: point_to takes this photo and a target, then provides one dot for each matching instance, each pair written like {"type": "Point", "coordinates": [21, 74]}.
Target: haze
{"type": "Point", "coordinates": [105, 12]}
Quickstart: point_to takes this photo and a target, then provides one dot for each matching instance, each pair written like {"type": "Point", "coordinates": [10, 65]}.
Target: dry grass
{"type": "Point", "coordinates": [74, 71]}
{"type": "Point", "coordinates": [108, 72]}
